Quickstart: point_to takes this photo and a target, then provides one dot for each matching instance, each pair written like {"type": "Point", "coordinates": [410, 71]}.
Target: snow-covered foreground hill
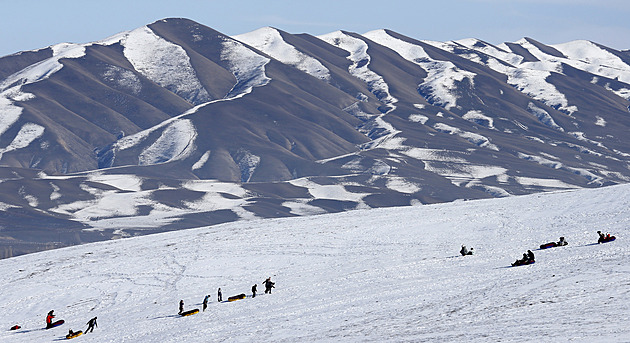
{"type": "Point", "coordinates": [374, 275]}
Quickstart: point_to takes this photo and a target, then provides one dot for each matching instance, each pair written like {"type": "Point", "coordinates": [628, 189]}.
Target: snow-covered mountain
{"type": "Point", "coordinates": [175, 125]}
{"type": "Point", "coordinates": [391, 274]}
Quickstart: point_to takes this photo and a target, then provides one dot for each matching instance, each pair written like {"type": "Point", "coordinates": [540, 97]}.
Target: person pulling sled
{"type": "Point", "coordinates": [91, 325]}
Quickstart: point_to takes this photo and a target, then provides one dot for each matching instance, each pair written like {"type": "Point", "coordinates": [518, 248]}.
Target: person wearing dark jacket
{"type": "Point", "coordinates": [220, 296]}
{"type": "Point", "coordinates": [268, 285]}
{"type": "Point", "coordinates": [91, 324]}
{"type": "Point", "coordinates": [254, 290]}
{"type": "Point", "coordinates": [205, 302]}
{"type": "Point", "coordinates": [181, 306]}
{"type": "Point", "coordinates": [530, 256]}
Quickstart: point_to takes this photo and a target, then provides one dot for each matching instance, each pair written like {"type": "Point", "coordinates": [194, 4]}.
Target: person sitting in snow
{"type": "Point", "coordinates": [562, 242]}
{"type": "Point", "coordinates": [521, 261]}
{"type": "Point", "coordinates": [530, 256]}
{"type": "Point", "coordinates": [49, 318]}
{"type": "Point", "coordinates": [602, 237]}
{"type": "Point", "coordinates": [464, 251]}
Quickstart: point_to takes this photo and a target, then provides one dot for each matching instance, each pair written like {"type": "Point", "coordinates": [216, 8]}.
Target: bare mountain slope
{"type": "Point", "coordinates": [175, 125]}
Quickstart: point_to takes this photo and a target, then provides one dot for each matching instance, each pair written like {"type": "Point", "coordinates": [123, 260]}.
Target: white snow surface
{"type": "Point", "coordinates": [247, 66]}
{"type": "Point", "coordinates": [390, 274]}
{"type": "Point", "coordinates": [528, 77]}
{"type": "Point", "coordinates": [588, 56]}
{"type": "Point", "coordinates": [27, 134]}
{"type": "Point", "coordinates": [442, 76]}
{"type": "Point", "coordinates": [472, 137]}
{"type": "Point", "coordinates": [269, 41]}
{"type": "Point", "coordinates": [360, 57]}
{"type": "Point", "coordinates": [543, 116]}
{"type": "Point", "coordinates": [176, 142]}
{"type": "Point", "coordinates": [480, 118]}
{"type": "Point", "coordinates": [11, 87]}
{"type": "Point", "coordinates": [45, 68]}
{"type": "Point", "coordinates": [164, 63]}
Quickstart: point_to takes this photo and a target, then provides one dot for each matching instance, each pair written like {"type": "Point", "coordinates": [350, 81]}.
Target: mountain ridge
{"type": "Point", "coordinates": [344, 120]}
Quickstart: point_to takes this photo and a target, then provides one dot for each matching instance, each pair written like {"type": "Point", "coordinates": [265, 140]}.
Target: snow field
{"type": "Point", "coordinates": [371, 275]}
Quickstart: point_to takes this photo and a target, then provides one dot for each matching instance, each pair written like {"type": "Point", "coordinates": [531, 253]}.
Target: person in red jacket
{"type": "Point", "coordinates": [49, 318]}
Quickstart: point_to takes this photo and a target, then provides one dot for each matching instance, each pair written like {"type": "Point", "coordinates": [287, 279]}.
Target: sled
{"type": "Point", "coordinates": [549, 245]}
{"type": "Point", "coordinates": [521, 263]}
{"type": "Point", "coordinates": [55, 324]}
{"type": "Point", "coordinates": [606, 240]}
{"type": "Point", "coordinates": [189, 312]}
{"type": "Point", "coordinates": [15, 327]}
{"type": "Point", "coordinates": [76, 334]}
{"type": "Point", "coordinates": [237, 297]}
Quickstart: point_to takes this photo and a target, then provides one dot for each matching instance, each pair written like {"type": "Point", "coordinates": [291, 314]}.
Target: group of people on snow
{"type": "Point", "coordinates": [529, 258]}
{"type": "Point", "coordinates": [604, 237]}
{"type": "Point", "coordinates": [267, 283]}
{"type": "Point", "coordinates": [50, 324]}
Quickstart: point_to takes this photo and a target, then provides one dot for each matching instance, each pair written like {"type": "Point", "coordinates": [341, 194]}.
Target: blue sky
{"type": "Point", "coordinates": [34, 24]}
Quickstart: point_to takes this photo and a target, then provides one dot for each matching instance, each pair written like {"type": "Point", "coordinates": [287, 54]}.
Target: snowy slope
{"type": "Point", "coordinates": [360, 67]}
{"type": "Point", "coordinates": [370, 275]}
{"type": "Point", "coordinates": [164, 63]}
{"type": "Point", "coordinates": [440, 83]}
{"type": "Point", "coordinates": [269, 41]}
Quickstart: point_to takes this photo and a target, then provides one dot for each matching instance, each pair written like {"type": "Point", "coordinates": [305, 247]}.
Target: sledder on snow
{"type": "Point", "coordinates": [72, 334]}
{"type": "Point", "coordinates": [50, 323]}
{"type": "Point", "coordinates": [464, 251]}
{"type": "Point", "coordinates": [528, 258]}
{"type": "Point", "coordinates": [559, 243]}
{"type": "Point", "coordinates": [605, 238]}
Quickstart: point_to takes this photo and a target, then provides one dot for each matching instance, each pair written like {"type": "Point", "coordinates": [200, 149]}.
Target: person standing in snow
{"type": "Point", "coordinates": [181, 306]}
{"type": "Point", "coordinates": [220, 296]}
{"type": "Point", "coordinates": [91, 324]}
{"type": "Point", "coordinates": [268, 285]}
{"type": "Point", "coordinates": [205, 302]}
{"type": "Point", "coordinates": [254, 290]}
